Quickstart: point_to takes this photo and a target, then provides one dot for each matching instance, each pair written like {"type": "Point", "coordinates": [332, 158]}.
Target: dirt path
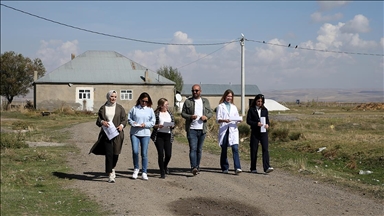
{"type": "Point", "coordinates": [209, 193]}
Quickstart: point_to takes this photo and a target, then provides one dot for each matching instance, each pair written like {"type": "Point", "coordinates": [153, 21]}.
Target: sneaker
{"type": "Point", "coordinates": [194, 171]}
{"type": "Point", "coordinates": [225, 171]}
{"type": "Point", "coordinates": [144, 176]}
{"type": "Point", "coordinates": [253, 171]}
{"type": "Point", "coordinates": [167, 171]}
{"type": "Point", "coordinates": [135, 173]}
{"type": "Point", "coordinates": [270, 169]}
{"type": "Point", "coordinates": [113, 173]}
{"type": "Point", "coordinates": [111, 179]}
{"type": "Point", "coordinates": [238, 171]}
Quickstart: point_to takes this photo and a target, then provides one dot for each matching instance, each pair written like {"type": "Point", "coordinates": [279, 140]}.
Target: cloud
{"type": "Point", "coordinates": [382, 42]}
{"type": "Point", "coordinates": [318, 17]}
{"type": "Point", "coordinates": [268, 66]}
{"type": "Point", "coordinates": [55, 53]}
{"type": "Point", "coordinates": [344, 36]}
{"type": "Point", "coordinates": [329, 5]}
{"type": "Point", "coordinates": [175, 56]}
{"type": "Point", "coordinates": [359, 24]}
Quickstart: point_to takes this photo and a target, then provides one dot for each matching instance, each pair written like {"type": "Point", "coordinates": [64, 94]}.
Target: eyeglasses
{"type": "Point", "coordinates": [143, 101]}
{"type": "Point", "coordinates": [195, 90]}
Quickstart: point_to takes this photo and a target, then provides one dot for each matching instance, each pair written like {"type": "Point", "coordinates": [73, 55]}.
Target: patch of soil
{"type": "Point", "coordinates": [370, 106]}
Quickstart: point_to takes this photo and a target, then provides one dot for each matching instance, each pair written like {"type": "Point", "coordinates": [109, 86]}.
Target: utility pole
{"type": "Point", "coordinates": [242, 40]}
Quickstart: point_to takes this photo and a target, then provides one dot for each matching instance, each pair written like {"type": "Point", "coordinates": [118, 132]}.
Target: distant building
{"type": "Point", "coordinates": [214, 92]}
{"type": "Point", "coordinates": [83, 82]}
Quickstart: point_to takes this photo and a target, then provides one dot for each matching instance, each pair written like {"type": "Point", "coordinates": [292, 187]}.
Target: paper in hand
{"type": "Point", "coordinates": [111, 131]}
{"type": "Point", "coordinates": [262, 128]}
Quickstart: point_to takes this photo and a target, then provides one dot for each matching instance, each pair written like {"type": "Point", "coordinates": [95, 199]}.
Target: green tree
{"type": "Point", "coordinates": [17, 73]}
{"type": "Point", "coordinates": [172, 74]}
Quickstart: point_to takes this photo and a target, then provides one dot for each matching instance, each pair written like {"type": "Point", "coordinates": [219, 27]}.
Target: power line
{"type": "Point", "coordinates": [115, 36]}
{"type": "Point", "coordinates": [179, 44]}
{"type": "Point", "coordinates": [206, 55]}
{"type": "Point", "coordinates": [304, 48]}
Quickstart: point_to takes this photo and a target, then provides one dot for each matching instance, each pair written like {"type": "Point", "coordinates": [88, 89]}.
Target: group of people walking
{"type": "Point", "coordinates": [196, 111]}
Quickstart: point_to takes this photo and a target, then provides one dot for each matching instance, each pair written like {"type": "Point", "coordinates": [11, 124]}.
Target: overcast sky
{"type": "Point", "coordinates": [338, 26]}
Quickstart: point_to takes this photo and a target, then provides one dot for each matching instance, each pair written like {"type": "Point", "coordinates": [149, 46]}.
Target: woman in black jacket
{"type": "Point", "coordinates": [258, 119]}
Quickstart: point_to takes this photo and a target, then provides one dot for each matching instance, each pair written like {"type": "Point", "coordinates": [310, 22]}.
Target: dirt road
{"type": "Point", "coordinates": [209, 193]}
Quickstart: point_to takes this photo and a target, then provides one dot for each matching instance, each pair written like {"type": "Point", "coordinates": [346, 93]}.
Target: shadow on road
{"type": "Point", "coordinates": [90, 176]}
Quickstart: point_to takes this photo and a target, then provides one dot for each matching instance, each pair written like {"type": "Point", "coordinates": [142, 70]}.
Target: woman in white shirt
{"type": "Point", "coordinates": [162, 135]}
{"type": "Point", "coordinates": [228, 117]}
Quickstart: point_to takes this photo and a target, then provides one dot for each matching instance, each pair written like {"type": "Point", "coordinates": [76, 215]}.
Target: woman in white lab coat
{"type": "Point", "coordinates": [228, 117]}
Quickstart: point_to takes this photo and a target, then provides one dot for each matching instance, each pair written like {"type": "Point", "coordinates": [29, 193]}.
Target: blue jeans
{"type": "Point", "coordinates": [135, 140]}
{"type": "Point", "coordinates": [223, 157]}
{"type": "Point", "coordinates": [196, 141]}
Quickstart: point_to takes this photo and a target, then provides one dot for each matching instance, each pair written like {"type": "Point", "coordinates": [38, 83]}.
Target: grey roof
{"type": "Point", "coordinates": [219, 89]}
{"type": "Point", "coordinates": [102, 67]}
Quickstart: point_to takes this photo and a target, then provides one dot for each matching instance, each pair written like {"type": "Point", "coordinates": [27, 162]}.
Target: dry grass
{"type": "Point", "coordinates": [352, 133]}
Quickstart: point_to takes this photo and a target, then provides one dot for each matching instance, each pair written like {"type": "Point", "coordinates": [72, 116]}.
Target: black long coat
{"type": "Point", "coordinates": [120, 118]}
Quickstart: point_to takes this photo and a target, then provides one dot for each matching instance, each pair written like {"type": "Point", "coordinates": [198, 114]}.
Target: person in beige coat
{"type": "Point", "coordinates": [109, 113]}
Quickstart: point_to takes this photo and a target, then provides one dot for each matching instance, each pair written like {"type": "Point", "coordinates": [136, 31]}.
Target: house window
{"type": "Point", "coordinates": [125, 94]}
{"type": "Point", "coordinates": [84, 94]}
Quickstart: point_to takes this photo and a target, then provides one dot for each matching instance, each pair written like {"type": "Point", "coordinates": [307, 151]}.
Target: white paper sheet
{"type": "Point", "coordinates": [111, 131]}
{"type": "Point", "coordinates": [236, 118]}
{"type": "Point", "coordinates": [262, 128]}
{"type": "Point", "coordinates": [166, 126]}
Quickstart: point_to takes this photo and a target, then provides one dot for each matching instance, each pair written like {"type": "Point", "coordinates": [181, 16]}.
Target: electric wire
{"type": "Point", "coordinates": [197, 44]}
{"type": "Point", "coordinates": [304, 48]}
{"type": "Point", "coordinates": [205, 56]}
{"type": "Point", "coordinates": [115, 36]}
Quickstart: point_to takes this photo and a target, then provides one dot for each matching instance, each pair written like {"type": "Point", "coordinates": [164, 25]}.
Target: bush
{"type": "Point", "coordinates": [244, 130]}
{"type": "Point", "coordinates": [20, 125]}
{"type": "Point", "coordinates": [295, 136]}
{"type": "Point", "coordinates": [280, 134]}
{"type": "Point", "coordinates": [29, 105]}
{"type": "Point", "coordinates": [13, 141]}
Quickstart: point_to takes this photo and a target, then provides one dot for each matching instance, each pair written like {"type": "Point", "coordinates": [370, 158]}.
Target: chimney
{"type": "Point", "coordinates": [34, 75]}
{"type": "Point", "coordinates": [72, 56]}
{"type": "Point", "coordinates": [146, 76]}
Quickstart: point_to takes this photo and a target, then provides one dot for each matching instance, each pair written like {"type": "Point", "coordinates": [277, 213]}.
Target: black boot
{"type": "Point", "coordinates": [162, 174]}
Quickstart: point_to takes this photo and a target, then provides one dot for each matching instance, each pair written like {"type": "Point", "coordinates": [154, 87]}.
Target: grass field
{"type": "Point", "coordinates": [28, 185]}
{"type": "Point", "coordinates": [353, 137]}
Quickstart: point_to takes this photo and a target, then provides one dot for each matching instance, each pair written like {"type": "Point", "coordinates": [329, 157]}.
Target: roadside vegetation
{"type": "Point", "coordinates": [336, 143]}
{"type": "Point", "coordinates": [28, 183]}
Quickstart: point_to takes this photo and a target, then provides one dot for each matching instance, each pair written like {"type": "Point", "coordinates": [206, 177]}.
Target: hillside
{"type": "Point", "coordinates": [326, 95]}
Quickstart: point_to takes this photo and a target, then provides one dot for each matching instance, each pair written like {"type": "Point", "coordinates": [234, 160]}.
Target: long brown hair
{"type": "Point", "coordinates": [226, 93]}
{"type": "Point", "coordinates": [160, 103]}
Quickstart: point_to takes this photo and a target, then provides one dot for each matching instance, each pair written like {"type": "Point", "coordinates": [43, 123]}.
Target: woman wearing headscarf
{"type": "Point", "coordinates": [110, 114]}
